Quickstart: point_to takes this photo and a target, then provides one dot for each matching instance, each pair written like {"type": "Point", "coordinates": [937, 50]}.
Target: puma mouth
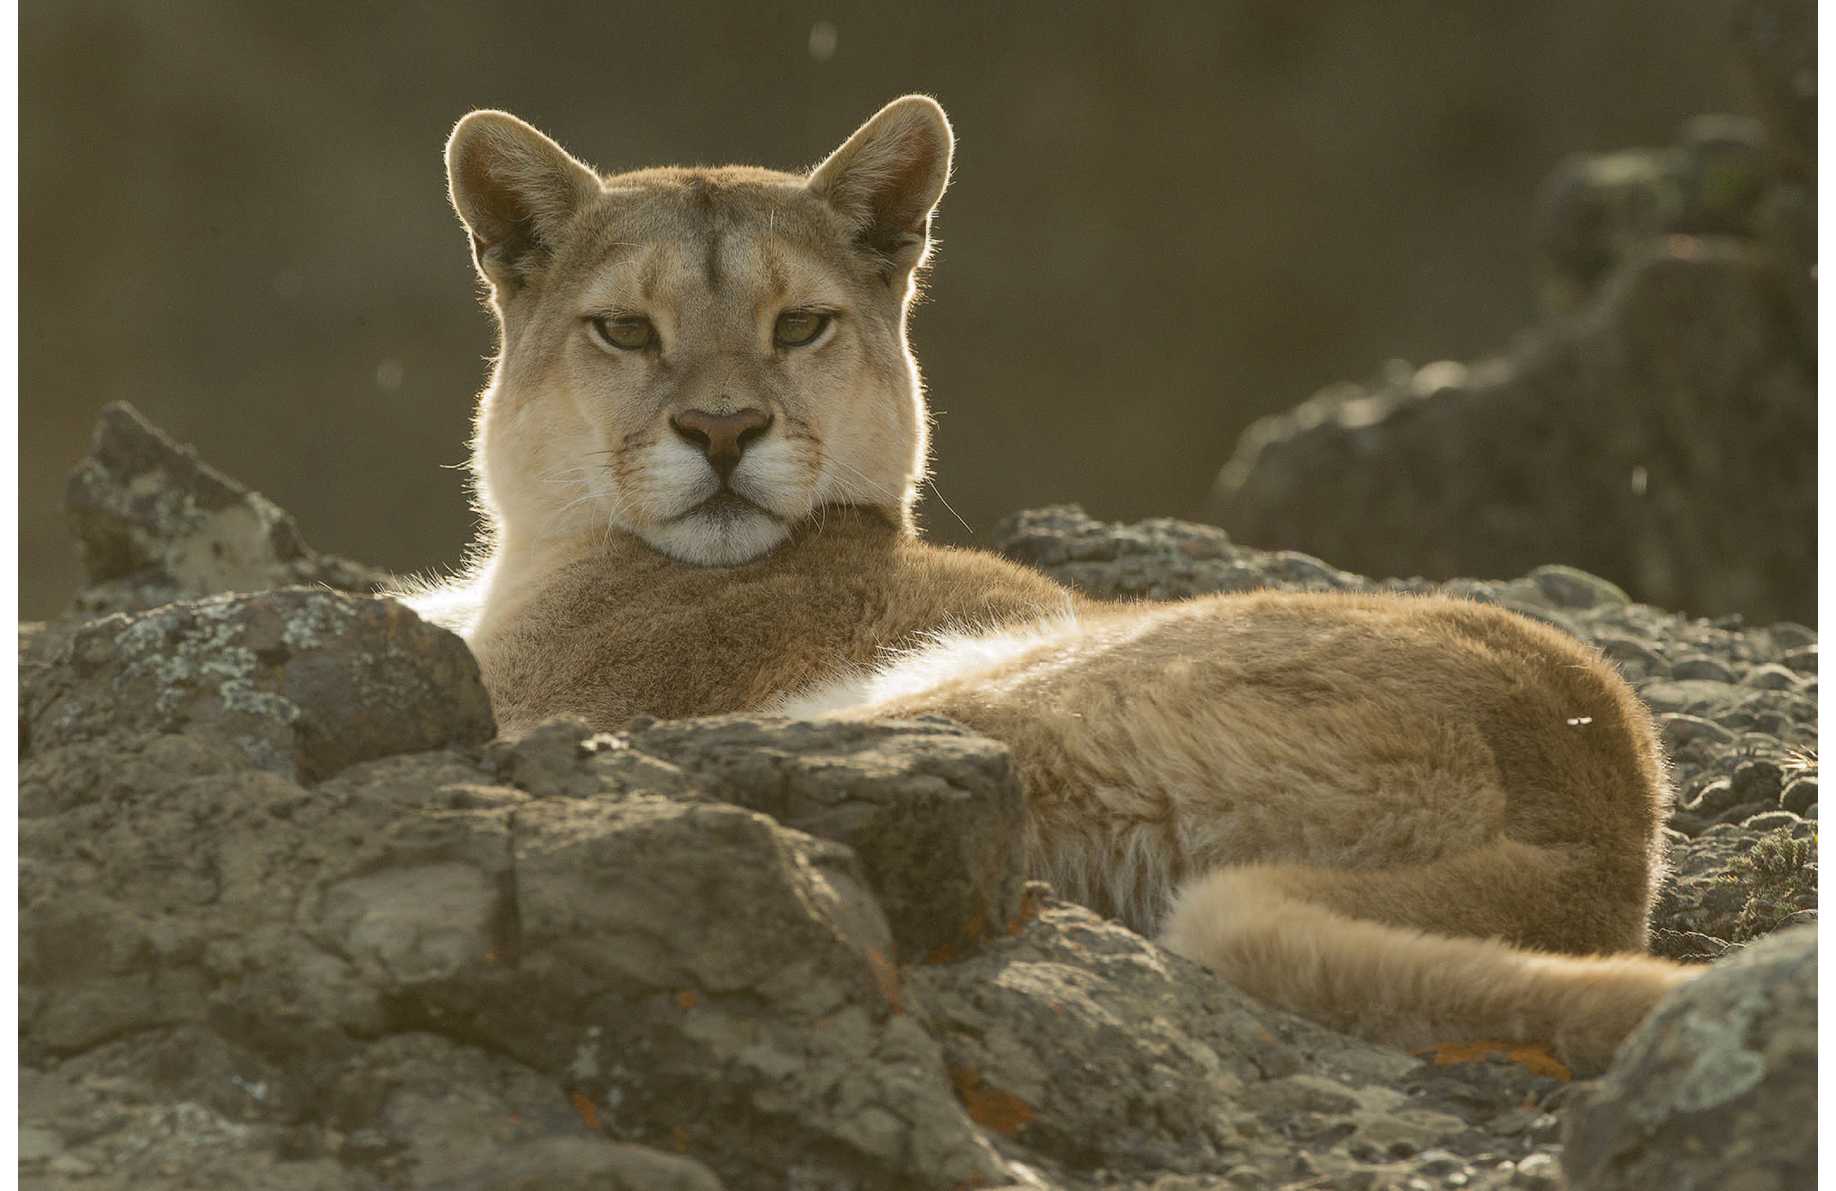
{"type": "Point", "coordinates": [725, 505]}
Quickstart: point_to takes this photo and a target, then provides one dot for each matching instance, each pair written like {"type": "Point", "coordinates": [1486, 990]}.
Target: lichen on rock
{"type": "Point", "coordinates": [154, 524]}
{"type": "Point", "coordinates": [303, 682]}
{"type": "Point", "coordinates": [1717, 1089]}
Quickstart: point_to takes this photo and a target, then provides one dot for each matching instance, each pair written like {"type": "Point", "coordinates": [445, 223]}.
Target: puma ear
{"type": "Point", "coordinates": [887, 178]}
{"type": "Point", "coordinates": [514, 188]}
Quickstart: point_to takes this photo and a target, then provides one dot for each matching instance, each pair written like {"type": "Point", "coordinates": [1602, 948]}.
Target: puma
{"type": "Point", "coordinates": [1415, 819]}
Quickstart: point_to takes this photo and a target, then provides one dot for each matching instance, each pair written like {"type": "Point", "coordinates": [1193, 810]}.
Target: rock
{"type": "Point", "coordinates": [153, 525]}
{"type": "Point", "coordinates": [116, 768]}
{"type": "Point", "coordinates": [449, 1117]}
{"type": "Point", "coordinates": [685, 966]}
{"type": "Point", "coordinates": [1772, 677]}
{"type": "Point", "coordinates": [1081, 1047]}
{"type": "Point", "coordinates": [935, 813]}
{"type": "Point", "coordinates": [1770, 820]}
{"type": "Point", "coordinates": [1634, 659]}
{"type": "Point", "coordinates": [550, 761]}
{"type": "Point", "coordinates": [1690, 947]}
{"type": "Point", "coordinates": [1679, 729]}
{"type": "Point", "coordinates": [180, 1108]}
{"type": "Point", "coordinates": [1158, 559]}
{"type": "Point", "coordinates": [1799, 796]}
{"type": "Point", "coordinates": [1566, 587]}
{"type": "Point", "coordinates": [1713, 799]}
{"type": "Point", "coordinates": [1801, 661]}
{"type": "Point", "coordinates": [1735, 883]}
{"type": "Point", "coordinates": [583, 1164]}
{"type": "Point", "coordinates": [1758, 780]}
{"type": "Point", "coordinates": [1706, 669]}
{"type": "Point", "coordinates": [302, 682]}
{"type": "Point", "coordinates": [1791, 636]}
{"type": "Point", "coordinates": [1695, 696]}
{"type": "Point", "coordinates": [1742, 812]}
{"type": "Point", "coordinates": [173, 900]}
{"type": "Point", "coordinates": [1675, 364]}
{"type": "Point", "coordinates": [665, 966]}
{"type": "Point", "coordinates": [1716, 1089]}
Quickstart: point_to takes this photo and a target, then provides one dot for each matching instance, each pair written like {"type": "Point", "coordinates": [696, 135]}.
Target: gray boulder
{"type": "Point", "coordinates": [702, 977]}
{"type": "Point", "coordinates": [1657, 428]}
{"type": "Point", "coordinates": [185, 1108]}
{"type": "Point", "coordinates": [934, 813]}
{"type": "Point", "coordinates": [1717, 1090]}
{"type": "Point", "coordinates": [301, 682]}
{"type": "Point", "coordinates": [668, 970]}
{"type": "Point", "coordinates": [153, 524]}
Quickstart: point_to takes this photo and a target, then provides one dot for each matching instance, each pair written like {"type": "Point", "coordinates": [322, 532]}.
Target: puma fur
{"type": "Point", "coordinates": [1421, 820]}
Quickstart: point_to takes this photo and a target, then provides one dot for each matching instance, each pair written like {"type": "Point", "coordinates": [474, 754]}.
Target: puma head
{"type": "Point", "coordinates": [701, 357]}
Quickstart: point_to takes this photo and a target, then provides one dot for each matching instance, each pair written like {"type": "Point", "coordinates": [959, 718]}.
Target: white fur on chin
{"type": "Point", "coordinates": [717, 539]}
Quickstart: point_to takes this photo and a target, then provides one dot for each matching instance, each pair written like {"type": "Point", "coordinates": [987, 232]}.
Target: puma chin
{"type": "Point", "coordinates": [701, 358]}
{"type": "Point", "coordinates": [720, 521]}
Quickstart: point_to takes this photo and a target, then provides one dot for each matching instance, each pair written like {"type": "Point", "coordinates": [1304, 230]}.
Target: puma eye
{"type": "Point", "coordinates": [799, 328]}
{"type": "Point", "coordinates": [626, 334]}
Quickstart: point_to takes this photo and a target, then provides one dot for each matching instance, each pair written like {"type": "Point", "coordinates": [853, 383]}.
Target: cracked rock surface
{"type": "Point", "coordinates": [667, 968]}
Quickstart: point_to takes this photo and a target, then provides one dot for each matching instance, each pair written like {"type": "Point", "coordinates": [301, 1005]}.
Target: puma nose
{"type": "Point", "coordinates": [723, 438]}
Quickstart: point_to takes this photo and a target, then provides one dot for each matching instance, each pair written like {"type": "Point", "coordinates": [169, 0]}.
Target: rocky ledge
{"type": "Point", "coordinates": [290, 918]}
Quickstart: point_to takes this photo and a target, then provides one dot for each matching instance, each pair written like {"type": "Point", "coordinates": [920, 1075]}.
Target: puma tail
{"type": "Point", "coordinates": [1411, 988]}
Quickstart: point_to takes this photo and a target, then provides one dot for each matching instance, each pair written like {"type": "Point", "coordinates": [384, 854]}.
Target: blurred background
{"type": "Point", "coordinates": [1168, 219]}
